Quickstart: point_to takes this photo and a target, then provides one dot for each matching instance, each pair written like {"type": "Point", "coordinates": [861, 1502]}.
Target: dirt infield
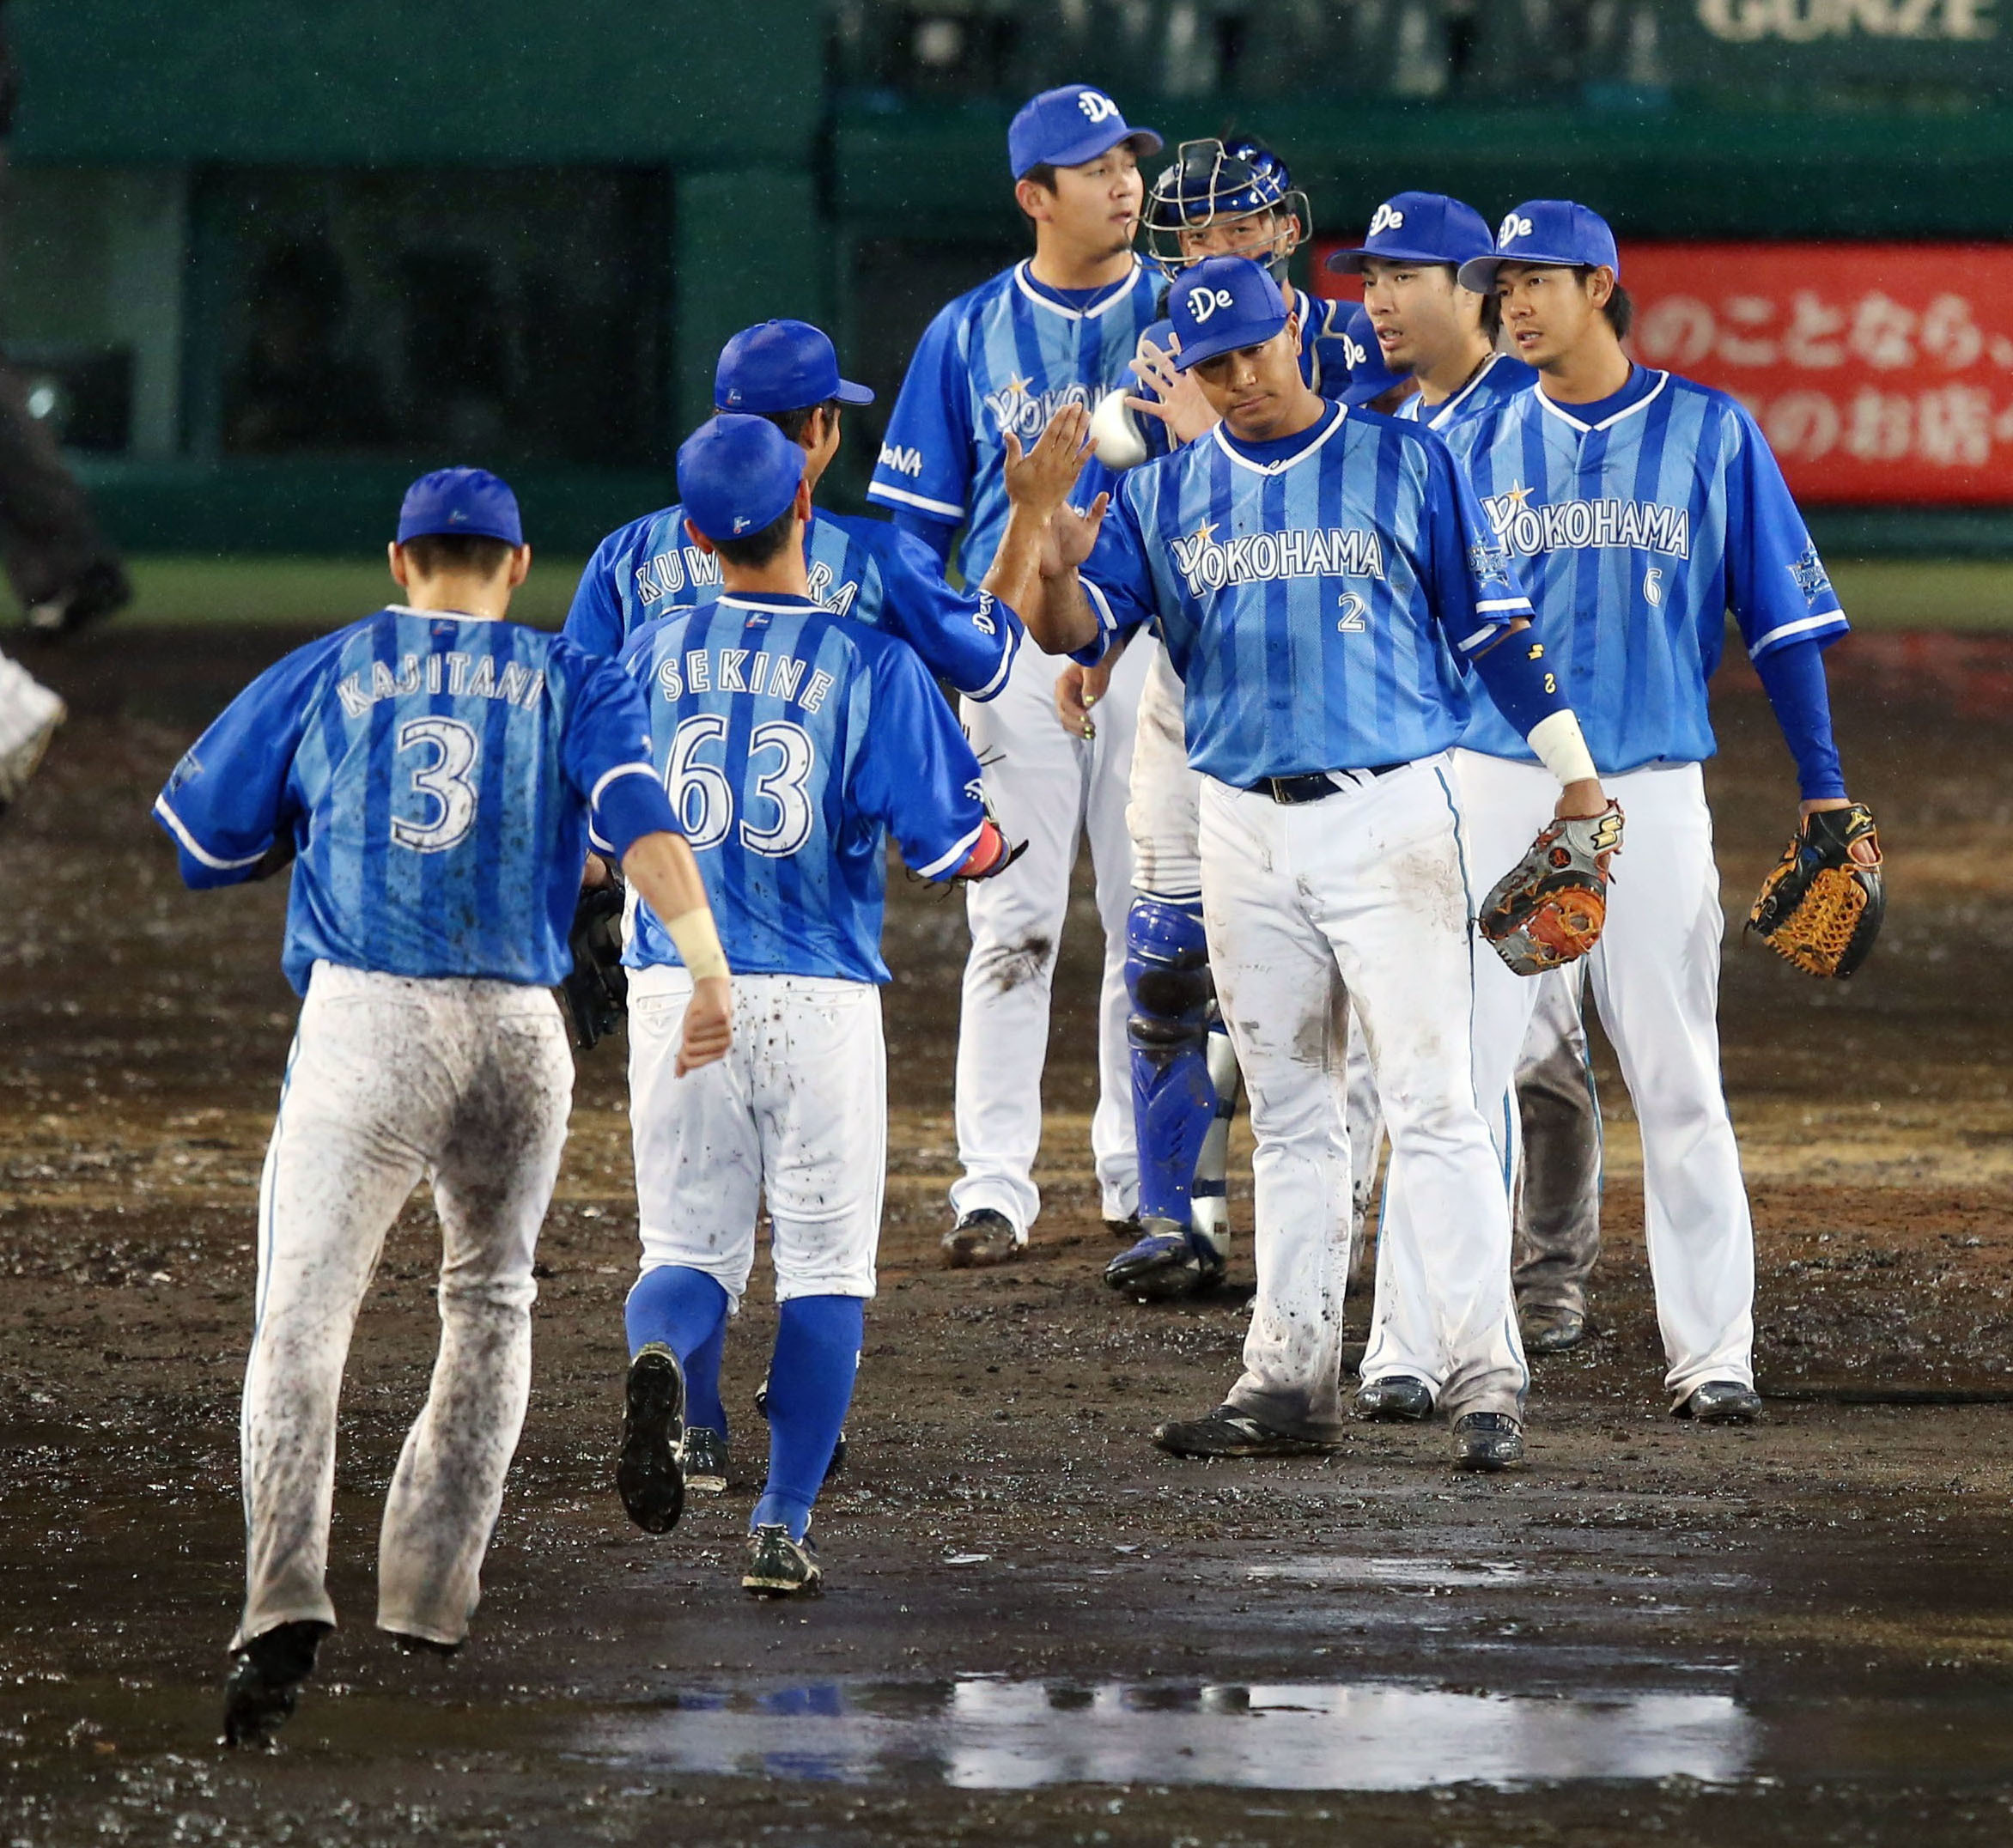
{"type": "Point", "coordinates": [1039, 1630]}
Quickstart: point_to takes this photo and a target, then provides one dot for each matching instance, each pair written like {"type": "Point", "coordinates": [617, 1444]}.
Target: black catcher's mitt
{"type": "Point", "coordinates": [597, 990]}
{"type": "Point", "coordinates": [1549, 908]}
{"type": "Point", "coordinates": [1820, 907]}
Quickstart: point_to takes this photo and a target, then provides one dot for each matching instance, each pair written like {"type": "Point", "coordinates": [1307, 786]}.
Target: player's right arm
{"type": "Point", "coordinates": [606, 754]}
{"type": "Point", "coordinates": [1096, 584]}
{"type": "Point", "coordinates": [1038, 483]}
{"type": "Point", "coordinates": [227, 805]}
{"type": "Point", "coordinates": [923, 476]}
{"type": "Point", "coordinates": [594, 623]}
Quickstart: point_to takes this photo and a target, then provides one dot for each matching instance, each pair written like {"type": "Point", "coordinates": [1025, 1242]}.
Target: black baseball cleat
{"type": "Point", "coordinates": [1719, 1403]}
{"type": "Point", "coordinates": [1396, 1399]}
{"type": "Point", "coordinates": [409, 1644]}
{"type": "Point", "coordinates": [1552, 1329]}
{"type": "Point", "coordinates": [649, 1476]}
{"type": "Point", "coordinates": [780, 1567]}
{"type": "Point", "coordinates": [265, 1678]}
{"type": "Point", "coordinates": [1488, 1441]}
{"type": "Point", "coordinates": [1166, 1263]}
{"type": "Point", "coordinates": [982, 1237]}
{"type": "Point", "coordinates": [703, 1462]}
{"type": "Point", "coordinates": [1226, 1432]}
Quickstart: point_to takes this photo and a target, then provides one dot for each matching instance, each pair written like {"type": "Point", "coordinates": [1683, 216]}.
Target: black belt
{"type": "Point", "coordinates": [1314, 787]}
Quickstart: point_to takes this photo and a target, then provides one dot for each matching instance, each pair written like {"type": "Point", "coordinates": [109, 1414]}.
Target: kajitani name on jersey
{"type": "Point", "coordinates": [464, 676]}
{"type": "Point", "coordinates": [1208, 564]}
{"type": "Point", "coordinates": [1632, 526]}
{"type": "Point", "coordinates": [781, 677]}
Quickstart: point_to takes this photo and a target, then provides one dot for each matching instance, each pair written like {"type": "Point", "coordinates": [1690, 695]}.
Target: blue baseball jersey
{"type": "Point", "coordinates": [862, 569]}
{"type": "Point", "coordinates": [1634, 536]}
{"type": "Point", "coordinates": [1317, 608]}
{"type": "Point", "coordinates": [1005, 356]}
{"type": "Point", "coordinates": [1500, 377]}
{"type": "Point", "coordinates": [791, 743]}
{"type": "Point", "coordinates": [436, 775]}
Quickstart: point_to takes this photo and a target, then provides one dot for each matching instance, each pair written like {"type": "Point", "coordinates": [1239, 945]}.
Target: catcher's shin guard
{"type": "Point", "coordinates": [1174, 1100]}
{"type": "Point", "coordinates": [1208, 1208]}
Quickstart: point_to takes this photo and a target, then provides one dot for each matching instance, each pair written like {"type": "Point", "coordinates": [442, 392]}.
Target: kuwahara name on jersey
{"type": "Point", "coordinates": [668, 573]}
{"type": "Point", "coordinates": [1208, 564]}
{"type": "Point", "coordinates": [781, 677]}
{"type": "Point", "coordinates": [517, 685]}
{"type": "Point", "coordinates": [1027, 413]}
{"type": "Point", "coordinates": [1645, 526]}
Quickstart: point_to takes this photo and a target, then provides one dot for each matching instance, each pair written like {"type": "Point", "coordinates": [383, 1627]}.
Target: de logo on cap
{"type": "Point", "coordinates": [1221, 304]}
{"type": "Point", "coordinates": [1068, 127]}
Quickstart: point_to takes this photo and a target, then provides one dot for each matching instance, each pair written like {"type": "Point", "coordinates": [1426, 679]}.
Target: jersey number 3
{"type": "Point", "coordinates": [703, 800]}
{"type": "Point", "coordinates": [446, 784]}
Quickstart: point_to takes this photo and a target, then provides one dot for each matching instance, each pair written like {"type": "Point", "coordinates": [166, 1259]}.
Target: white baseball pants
{"type": "Point", "coordinates": [798, 1109]}
{"type": "Point", "coordinates": [467, 1083]}
{"type": "Point", "coordinates": [1655, 976]}
{"type": "Point", "coordinates": [1050, 790]}
{"type": "Point", "coordinates": [1357, 903]}
{"type": "Point", "coordinates": [1163, 799]}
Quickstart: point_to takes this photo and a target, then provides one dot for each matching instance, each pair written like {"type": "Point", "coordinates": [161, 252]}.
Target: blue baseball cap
{"type": "Point", "coordinates": [1220, 304]}
{"type": "Point", "coordinates": [461, 500]}
{"type": "Point", "coordinates": [782, 366]}
{"type": "Point", "coordinates": [1419, 227]}
{"type": "Point", "coordinates": [1545, 231]}
{"type": "Point", "coordinates": [736, 473]}
{"type": "Point", "coordinates": [1068, 127]}
{"type": "Point", "coordinates": [1369, 376]}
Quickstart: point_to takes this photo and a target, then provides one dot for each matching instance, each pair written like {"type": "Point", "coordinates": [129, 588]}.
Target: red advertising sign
{"type": "Point", "coordinates": [1881, 373]}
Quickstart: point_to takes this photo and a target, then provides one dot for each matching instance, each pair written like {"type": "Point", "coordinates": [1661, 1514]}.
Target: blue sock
{"type": "Point", "coordinates": [810, 1386]}
{"type": "Point", "coordinates": [703, 1401]}
{"type": "Point", "coordinates": [685, 1309]}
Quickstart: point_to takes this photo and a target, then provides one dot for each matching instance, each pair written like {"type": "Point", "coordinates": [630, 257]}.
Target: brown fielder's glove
{"type": "Point", "coordinates": [1549, 908]}
{"type": "Point", "coordinates": [1820, 907]}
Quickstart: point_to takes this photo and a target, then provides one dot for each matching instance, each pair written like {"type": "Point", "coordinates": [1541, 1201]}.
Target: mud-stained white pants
{"type": "Point", "coordinates": [1163, 799]}
{"type": "Point", "coordinates": [798, 1109]}
{"type": "Point", "coordinates": [1357, 903]}
{"type": "Point", "coordinates": [1655, 977]}
{"type": "Point", "coordinates": [1051, 790]}
{"type": "Point", "coordinates": [389, 1080]}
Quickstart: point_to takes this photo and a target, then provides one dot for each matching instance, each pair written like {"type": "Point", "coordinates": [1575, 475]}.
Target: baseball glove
{"type": "Point", "coordinates": [596, 988]}
{"type": "Point", "coordinates": [1549, 908]}
{"type": "Point", "coordinates": [1820, 907]}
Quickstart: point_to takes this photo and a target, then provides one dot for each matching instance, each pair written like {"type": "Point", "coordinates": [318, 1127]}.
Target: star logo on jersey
{"type": "Point", "coordinates": [1204, 534]}
{"type": "Point", "coordinates": [1016, 387]}
{"type": "Point", "coordinates": [1812, 579]}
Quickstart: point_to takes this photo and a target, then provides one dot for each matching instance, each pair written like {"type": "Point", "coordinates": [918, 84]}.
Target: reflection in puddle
{"type": "Point", "coordinates": [986, 1734]}
{"type": "Point", "coordinates": [1344, 1569]}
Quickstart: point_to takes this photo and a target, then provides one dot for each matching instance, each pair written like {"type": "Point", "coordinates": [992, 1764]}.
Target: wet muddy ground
{"type": "Point", "coordinates": [1039, 1630]}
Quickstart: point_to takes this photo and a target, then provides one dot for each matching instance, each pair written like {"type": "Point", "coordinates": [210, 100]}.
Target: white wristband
{"type": "Point", "coordinates": [1562, 749]}
{"type": "Point", "coordinates": [698, 943]}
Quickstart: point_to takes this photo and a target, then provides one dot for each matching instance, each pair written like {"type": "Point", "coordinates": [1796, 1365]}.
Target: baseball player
{"type": "Point", "coordinates": [29, 715]}
{"type": "Point", "coordinates": [1426, 325]}
{"type": "Point", "coordinates": [1318, 576]}
{"type": "Point", "coordinates": [437, 772]}
{"type": "Point", "coordinates": [1058, 329]}
{"type": "Point", "coordinates": [1642, 506]}
{"type": "Point", "coordinates": [865, 569]}
{"type": "Point", "coordinates": [792, 742]}
{"type": "Point", "coordinates": [1216, 198]}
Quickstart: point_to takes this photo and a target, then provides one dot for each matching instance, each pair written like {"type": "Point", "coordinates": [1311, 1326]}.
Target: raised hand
{"type": "Point", "coordinates": [1042, 477]}
{"type": "Point", "coordinates": [1173, 397]}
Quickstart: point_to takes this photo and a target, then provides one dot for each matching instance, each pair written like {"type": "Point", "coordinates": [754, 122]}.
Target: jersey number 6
{"type": "Point", "coordinates": [447, 783]}
{"type": "Point", "coordinates": [703, 800]}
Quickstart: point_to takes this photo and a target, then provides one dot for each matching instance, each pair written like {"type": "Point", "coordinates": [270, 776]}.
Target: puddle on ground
{"type": "Point", "coordinates": [981, 1733]}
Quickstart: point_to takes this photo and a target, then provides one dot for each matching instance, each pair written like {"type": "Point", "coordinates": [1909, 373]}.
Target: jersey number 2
{"type": "Point", "coordinates": [447, 783]}
{"type": "Point", "coordinates": [703, 800]}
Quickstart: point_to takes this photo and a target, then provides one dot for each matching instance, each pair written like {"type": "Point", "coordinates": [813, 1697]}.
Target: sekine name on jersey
{"type": "Point", "coordinates": [464, 676]}
{"type": "Point", "coordinates": [780, 677]}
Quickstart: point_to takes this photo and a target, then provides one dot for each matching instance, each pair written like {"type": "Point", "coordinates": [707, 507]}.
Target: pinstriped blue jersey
{"type": "Point", "coordinates": [1002, 357]}
{"type": "Point", "coordinates": [792, 743]}
{"type": "Point", "coordinates": [1499, 377]}
{"type": "Point", "coordinates": [1316, 608]}
{"type": "Point", "coordinates": [436, 775]}
{"type": "Point", "coordinates": [1634, 537]}
{"type": "Point", "coordinates": [862, 569]}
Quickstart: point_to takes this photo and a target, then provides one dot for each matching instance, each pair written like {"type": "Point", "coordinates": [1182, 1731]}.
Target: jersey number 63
{"type": "Point", "coordinates": [703, 800]}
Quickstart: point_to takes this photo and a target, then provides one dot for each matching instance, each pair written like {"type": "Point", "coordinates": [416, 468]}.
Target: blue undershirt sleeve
{"type": "Point", "coordinates": [1792, 676]}
{"type": "Point", "coordinates": [1520, 680]}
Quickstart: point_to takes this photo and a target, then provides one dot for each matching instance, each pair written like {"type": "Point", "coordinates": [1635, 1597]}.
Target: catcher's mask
{"type": "Point", "coordinates": [1218, 183]}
